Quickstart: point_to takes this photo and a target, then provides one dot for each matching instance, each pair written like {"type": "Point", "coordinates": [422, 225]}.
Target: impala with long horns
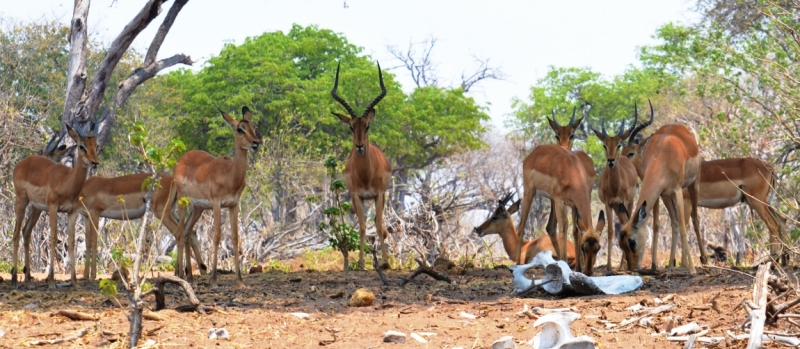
{"type": "Point", "coordinates": [368, 172]}
{"type": "Point", "coordinates": [49, 186]}
{"type": "Point", "coordinates": [671, 162]}
{"type": "Point", "coordinates": [617, 186]}
{"type": "Point", "coordinates": [500, 223]}
{"type": "Point", "coordinates": [213, 183]}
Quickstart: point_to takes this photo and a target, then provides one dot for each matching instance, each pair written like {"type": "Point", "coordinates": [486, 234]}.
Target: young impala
{"type": "Point", "coordinates": [500, 223]}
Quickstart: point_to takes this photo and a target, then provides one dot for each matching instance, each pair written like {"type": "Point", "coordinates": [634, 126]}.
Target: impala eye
{"type": "Point", "coordinates": [352, 129]}
{"type": "Point", "coordinates": [494, 218]}
{"type": "Point", "coordinates": [605, 147]}
{"type": "Point", "coordinates": [571, 137]}
{"type": "Point", "coordinates": [366, 129]}
{"type": "Point", "coordinates": [83, 148]}
{"type": "Point", "coordinates": [619, 146]}
{"type": "Point", "coordinates": [240, 130]}
{"type": "Point", "coordinates": [630, 155]}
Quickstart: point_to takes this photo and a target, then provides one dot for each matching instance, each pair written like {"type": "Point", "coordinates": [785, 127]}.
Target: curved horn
{"type": "Point", "coordinates": [603, 127]}
{"type": "Point", "coordinates": [53, 143]}
{"type": "Point", "coordinates": [380, 96]}
{"type": "Point", "coordinates": [621, 129]}
{"type": "Point", "coordinates": [554, 118]}
{"type": "Point", "coordinates": [572, 119]}
{"type": "Point", "coordinates": [504, 200]}
{"type": "Point", "coordinates": [638, 128]}
{"type": "Point", "coordinates": [340, 99]}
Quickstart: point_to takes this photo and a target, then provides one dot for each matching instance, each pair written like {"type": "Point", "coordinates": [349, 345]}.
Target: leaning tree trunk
{"type": "Point", "coordinates": [82, 102]}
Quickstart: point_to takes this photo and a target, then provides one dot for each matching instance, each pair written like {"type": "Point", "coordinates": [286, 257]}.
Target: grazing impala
{"type": "Point", "coordinates": [123, 198]}
{"type": "Point", "coordinates": [565, 135]}
{"type": "Point", "coordinates": [617, 184]}
{"type": "Point", "coordinates": [368, 172]}
{"type": "Point", "coordinates": [47, 185]}
{"type": "Point", "coordinates": [213, 183]}
{"type": "Point", "coordinates": [558, 174]}
{"type": "Point", "coordinates": [500, 223]}
{"type": "Point", "coordinates": [671, 162]}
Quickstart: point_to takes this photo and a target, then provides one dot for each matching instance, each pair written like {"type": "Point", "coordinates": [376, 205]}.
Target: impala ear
{"type": "Point", "coordinates": [72, 133]}
{"type": "Point", "coordinates": [581, 225]}
{"type": "Point", "coordinates": [552, 123]}
{"type": "Point", "coordinates": [577, 123]}
{"type": "Point", "coordinates": [514, 208]}
{"type": "Point", "coordinates": [601, 221]}
{"type": "Point", "coordinates": [246, 115]}
{"type": "Point", "coordinates": [343, 118]}
{"type": "Point", "coordinates": [370, 115]}
{"type": "Point", "coordinates": [642, 215]}
{"type": "Point", "coordinates": [624, 211]}
{"type": "Point", "coordinates": [229, 119]}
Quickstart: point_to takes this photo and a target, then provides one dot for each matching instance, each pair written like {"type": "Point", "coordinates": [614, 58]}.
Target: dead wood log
{"type": "Point", "coordinates": [758, 311]}
{"type": "Point", "coordinates": [76, 315]}
{"type": "Point", "coordinates": [76, 335]}
{"type": "Point", "coordinates": [158, 290]}
{"type": "Point", "coordinates": [424, 269]}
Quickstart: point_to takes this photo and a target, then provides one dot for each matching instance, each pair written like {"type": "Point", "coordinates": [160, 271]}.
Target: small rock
{"type": "Point", "coordinates": [214, 333]}
{"type": "Point", "coordinates": [394, 337]}
{"type": "Point", "coordinates": [362, 298]}
{"type": "Point", "coordinates": [2, 333]}
{"type": "Point", "coordinates": [467, 315]}
{"type": "Point", "coordinates": [29, 306]}
{"type": "Point", "coordinates": [506, 342]}
{"type": "Point", "coordinates": [256, 269]}
{"type": "Point", "coordinates": [418, 338]}
{"type": "Point", "coordinates": [300, 315]}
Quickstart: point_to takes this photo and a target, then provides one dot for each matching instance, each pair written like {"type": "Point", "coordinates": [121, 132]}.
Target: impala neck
{"type": "Point", "coordinates": [362, 164]}
{"type": "Point", "coordinates": [239, 166]}
{"type": "Point", "coordinates": [511, 242]}
{"type": "Point", "coordinates": [614, 174]}
{"type": "Point", "coordinates": [77, 175]}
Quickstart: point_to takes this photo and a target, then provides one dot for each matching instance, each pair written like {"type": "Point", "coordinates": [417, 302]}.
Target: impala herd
{"type": "Point", "coordinates": [668, 164]}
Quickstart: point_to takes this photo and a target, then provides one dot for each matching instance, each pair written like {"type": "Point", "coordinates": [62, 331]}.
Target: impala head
{"type": "Point", "coordinates": [86, 141]}
{"type": "Point", "coordinates": [630, 238]}
{"type": "Point", "coordinates": [613, 144]}
{"type": "Point", "coordinates": [359, 126]}
{"type": "Point", "coordinates": [56, 152]}
{"type": "Point", "coordinates": [590, 241]}
{"type": "Point", "coordinates": [565, 134]}
{"type": "Point", "coordinates": [500, 219]}
{"type": "Point", "coordinates": [245, 134]}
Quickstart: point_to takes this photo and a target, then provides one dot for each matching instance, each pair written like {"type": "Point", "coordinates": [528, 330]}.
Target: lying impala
{"type": "Point", "coordinates": [617, 184]}
{"type": "Point", "coordinates": [671, 162]}
{"type": "Point", "coordinates": [558, 174]}
{"type": "Point", "coordinates": [213, 183]}
{"type": "Point", "coordinates": [123, 198]}
{"type": "Point", "coordinates": [51, 186]}
{"type": "Point", "coordinates": [727, 182]}
{"type": "Point", "coordinates": [367, 173]}
{"type": "Point", "coordinates": [500, 223]}
{"type": "Point", "coordinates": [565, 135]}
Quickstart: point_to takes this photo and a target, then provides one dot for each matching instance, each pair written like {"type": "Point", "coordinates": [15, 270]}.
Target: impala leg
{"type": "Point", "coordinates": [577, 238]}
{"type": "Point", "coordinates": [233, 213]}
{"type": "Point", "coordinates": [52, 213]}
{"type": "Point", "coordinates": [180, 227]}
{"type": "Point", "coordinates": [380, 226]}
{"type": "Point", "coordinates": [677, 206]}
{"type": "Point", "coordinates": [90, 259]}
{"type": "Point", "coordinates": [694, 188]}
{"type": "Point", "coordinates": [666, 199]}
{"type": "Point", "coordinates": [561, 230]}
{"type": "Point", "coordinates": [188, 231]}
{"type": "Point", "coordinates": [610, 229]}
{"type": "Point", "coordinates": [551, 220]}
{"type": "Point", "coordinates": [217, 237]}
{"type": "Point", "coordinates": [362, 229]}
{"type": "Point", "coordinates": [19, 211]}
{"type": "Point", "coordinates": [776, 236]}
{"type": "Point", "coordinates": [72, 217]}
{"type": "Point", "coordinates": [527, 200]}
{"type": "Point", "coordinates": [198, 253]}
{"type": "Point", "coordinates": [26, 236]}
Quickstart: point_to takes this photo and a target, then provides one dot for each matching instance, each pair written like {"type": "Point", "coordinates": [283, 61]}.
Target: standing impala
{"type": "Point", "coordinates": [500, 223]}
{"type": "Point", "coordinates": [51, 186]}
{"type": "Point", "coordinates": [55, 152]}
{"type": "Point", "coordinates": [123, 198]}
{"type": "Point", "coordinates": [671, 162]}
{"type": "Point", "coordinates": [617, 183]}
{"type": "Point", "coordinates": [558, 174]}
{"type": "Point", "coordinates": [213, 183]}
{"type": "Point", "coordinates": [368, 172]}
{"type": "Point", "coordinates": [565, 135]}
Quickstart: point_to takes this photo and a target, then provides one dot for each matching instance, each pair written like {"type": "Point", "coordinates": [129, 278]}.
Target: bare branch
{"type": "Point", "coordinates": [485, 71]}
{"type": "Point", "coordinates": [420, 65]}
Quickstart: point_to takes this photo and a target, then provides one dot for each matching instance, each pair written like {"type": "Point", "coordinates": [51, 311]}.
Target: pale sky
{"type": "Point", "coordinates": [523, 38]}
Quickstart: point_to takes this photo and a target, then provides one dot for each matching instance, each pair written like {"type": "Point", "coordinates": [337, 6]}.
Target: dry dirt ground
{"type": "Point", "coordinates": [259, 315]}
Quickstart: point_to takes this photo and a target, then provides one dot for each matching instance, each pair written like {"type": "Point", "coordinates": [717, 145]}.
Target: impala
{"type": "Point", "coordinates": [500, 223]}
{"type": "Point", "coordinates": [565, 135]}
{"type": "Point", "coordinates": [617, 184]}
{"type": "Point", "coordinates": [213, 183]}
{"type": "Point", "coordinates": [47, 185]}
{"type": "Point", "coordinates": [368, 172]}
{"type": "Point", "coordinates": [558, 174]}
{"type": "Point", "coordinates": [671, 162]}
{"type": "Point", "coordinates": [123, 198]}
{"type": "Point", "coordinates": [55, 152]}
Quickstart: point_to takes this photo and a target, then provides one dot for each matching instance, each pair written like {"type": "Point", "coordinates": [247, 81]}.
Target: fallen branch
{"type": "Point", "coordinates": [76, 335]}
{"type": "Point", "coordinates": [758, 311]}
{"type": "Point", "coordinates": [158, 290]}
{"type": "Point", "coordinates": [153, 316]}
{"type": "Point", "coordinates": [378, 269]}
{"type": "Point", "coordinates": [534, 287]}
{"type": "Point", "coordinates": [75, 315]}
{"type": "Point", "coordinates": [426, 270]}
{"type": "Point", "coordinates": [690, 344]}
